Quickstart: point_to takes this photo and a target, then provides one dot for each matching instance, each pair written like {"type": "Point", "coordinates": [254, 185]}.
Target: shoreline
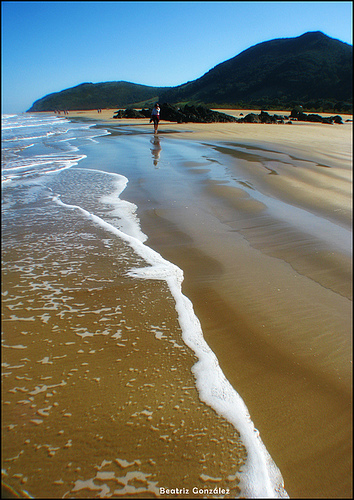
{"type": "Point", "coordinates": [292, 370]}
{"type": "Point", "coordinates": [298, 385]}
{"type": "Point", "coordinates": [107, 114]}
{"type": "Point", "coordinates": [247, 293]}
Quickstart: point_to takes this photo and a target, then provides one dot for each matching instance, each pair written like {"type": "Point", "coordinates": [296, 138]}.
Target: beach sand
{"type": "Point", "coordinates": [288, 297]}
{"type": "Point", "coordinates": [99, 398]}
{"type": "Point", "coordinates": [274, 298]}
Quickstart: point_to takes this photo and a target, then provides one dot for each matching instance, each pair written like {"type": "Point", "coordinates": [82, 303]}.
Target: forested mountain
{"type": "Point", "coordinates": [302, 70]}
{"type": "Point", "coordinates": [98, 95]}
{"type": "Point", "coordinates": [313, 70]}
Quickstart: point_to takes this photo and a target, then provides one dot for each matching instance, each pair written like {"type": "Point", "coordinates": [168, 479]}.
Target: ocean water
{"type": "Point", "coordinates": [95, 325]}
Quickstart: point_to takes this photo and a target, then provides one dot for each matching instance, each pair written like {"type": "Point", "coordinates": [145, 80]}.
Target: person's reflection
{"type": "Point", "coordinates": [156, 149]}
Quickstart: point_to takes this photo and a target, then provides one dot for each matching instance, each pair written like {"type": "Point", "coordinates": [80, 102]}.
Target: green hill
{"type": "Point", "coordinates": [97, 95]}
{"type": "Point", "coordinates": [313, 70]}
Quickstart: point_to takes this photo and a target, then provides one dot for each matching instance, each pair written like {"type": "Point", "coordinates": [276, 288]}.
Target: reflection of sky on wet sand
{"type": "Point", "coordinates": [156, 149]}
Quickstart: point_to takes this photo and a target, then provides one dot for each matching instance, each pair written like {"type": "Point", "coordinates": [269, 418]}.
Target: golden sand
{"type": "Point", "coordinates": [275, 308]}
{"type": "Point", "coordinates": [87, 413]}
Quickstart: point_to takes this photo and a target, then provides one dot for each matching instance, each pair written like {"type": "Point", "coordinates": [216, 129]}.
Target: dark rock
{"type": "Point", "coordinates": [128, 113]}
{"type": "Point", "coordinates": [303, 117]}
{"type": "Point", "coordinates": [119, 114]}
{"type": "Point", "coordinates": [172, 113]}
{"type": "Point", "coordinates": [202, 114]}
{"type": "Point", "coordinates": [183, 114]}
{"type": "Point", "coordinates": [280, 118]}
{"type": "Point", "coordinates": [263, 117]}
{"type": "Point", "coordinates": [337, 119]}
{"type": "Point", "coordinates": [327, 120]}
{"type": "Point", "coordinates": [146, 112]}
{"type": "Point", "coordinates": [267, 118]}
{"type": "Point", "coordinates": [194, 114]}
{"type": "Point", "coordinates": [251, 118]}
{"type": "Point", "coordinates": [298, 115]}
{"type": "Point", "coordinates": [313, 118]}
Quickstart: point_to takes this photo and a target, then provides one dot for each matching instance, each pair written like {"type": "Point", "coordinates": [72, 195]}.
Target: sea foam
{"type": "Point", "coordinates": [260, 477]}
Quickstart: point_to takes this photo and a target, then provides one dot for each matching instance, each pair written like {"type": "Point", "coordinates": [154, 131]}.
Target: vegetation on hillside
{"type": "Point", "coordinates": [97, 95]}
{"type": "Point", "coordinates": [312, 70]}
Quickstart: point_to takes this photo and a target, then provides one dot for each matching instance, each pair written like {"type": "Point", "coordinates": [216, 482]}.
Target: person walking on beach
{"type": "Point", "coordinates": [155, 116]}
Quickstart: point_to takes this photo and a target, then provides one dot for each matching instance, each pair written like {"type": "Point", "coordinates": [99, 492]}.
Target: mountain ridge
{"type": "Point", "coordinates": [309, 67]}
{"type": "Point", "coordinates": [312, 69]}
{"type": "Point", "coordinates": [90, 95]}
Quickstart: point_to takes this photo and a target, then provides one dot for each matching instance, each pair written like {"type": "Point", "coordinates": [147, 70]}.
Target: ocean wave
{"type": "Point", "coordinates": [44, 133]}
{"type": "Point", "coordinates": [40, 165]}
{"type": "Point", "coordinates": [9, 123]}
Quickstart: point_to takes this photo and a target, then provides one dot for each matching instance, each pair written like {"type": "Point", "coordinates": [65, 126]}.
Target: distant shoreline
{"type": "Point", "coordinates": [107, 114]}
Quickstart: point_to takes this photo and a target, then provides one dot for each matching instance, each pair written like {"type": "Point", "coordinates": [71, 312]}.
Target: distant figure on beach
{"type": "Point", "coordinates": [155, 116]}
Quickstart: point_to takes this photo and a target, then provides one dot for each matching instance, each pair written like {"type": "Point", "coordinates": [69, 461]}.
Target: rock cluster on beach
{"type": "Point", "coordinates": [129, 113]}
{"type": "Point", "coordinates": [264, 117]}
{"type": "Point", "coordinates": [300, 116]}
{"type": "Point", "coordinates": [180, 114]}
{"type": "Point", "coordinates": [202, 114]}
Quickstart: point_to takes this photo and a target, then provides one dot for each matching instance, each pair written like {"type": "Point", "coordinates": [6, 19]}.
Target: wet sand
{"type": "Point", "coordinates": [99, 398]}
{"type": "Point", "coordinates": [273, 297]}
{"type": "Point", "coordinates": [115, 414]}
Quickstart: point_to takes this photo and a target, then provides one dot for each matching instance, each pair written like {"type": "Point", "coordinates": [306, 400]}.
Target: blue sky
{"type": "Point", "coordinates": [51, 46]}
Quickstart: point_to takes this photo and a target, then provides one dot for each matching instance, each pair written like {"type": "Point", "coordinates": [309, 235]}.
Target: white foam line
{"type": "Point", "coordinates": [39, 123]}
{"type": "Point", "coordinates": [48, 166]}
{"type": "Point", "coordinates": [260, 477]}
